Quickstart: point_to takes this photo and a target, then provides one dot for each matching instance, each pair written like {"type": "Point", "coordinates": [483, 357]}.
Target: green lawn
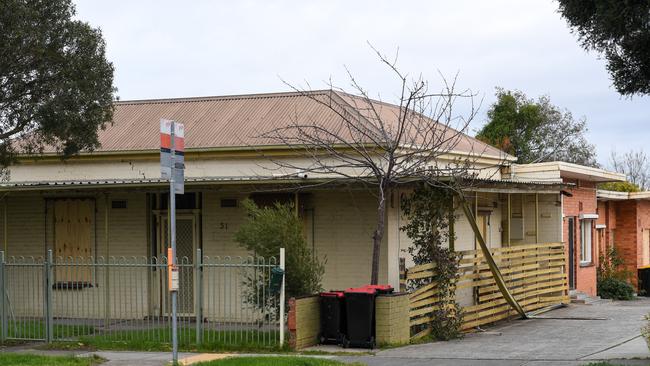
{"type": "Point", "coordinates": [275, 361]}
{"type": "Point", "coordinates": [160, 340]}
{"type": "Point", "coordinates": [29, 360]}
{"type": "Point", "coordinates": [155, 339]}
{"type": "Point", "coordinates": [35, 329]}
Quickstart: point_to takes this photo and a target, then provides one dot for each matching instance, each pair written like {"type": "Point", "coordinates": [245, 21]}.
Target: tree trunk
{"type": "Point", "coordinates": [377, 237]}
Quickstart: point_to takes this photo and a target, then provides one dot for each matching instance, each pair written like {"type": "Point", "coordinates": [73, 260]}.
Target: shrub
{"type": "Point", "coordinates": [612, 278]}
{"type": "Point", "coordinates": [616, 289]}
{"type": "Point", "coordinates": [270, 228]}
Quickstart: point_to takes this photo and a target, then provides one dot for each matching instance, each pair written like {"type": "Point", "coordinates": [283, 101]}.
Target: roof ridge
{"type": "Point", "coordinates": [220, 97]}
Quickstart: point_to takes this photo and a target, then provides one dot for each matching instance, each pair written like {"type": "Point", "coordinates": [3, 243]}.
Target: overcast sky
{"type": "Point", "coordinates": [197, 48]}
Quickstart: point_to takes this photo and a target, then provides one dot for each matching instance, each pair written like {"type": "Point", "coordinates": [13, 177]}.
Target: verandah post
{"type": "Point", "coordinates": [198, 275]}
{"type": "Point", "coordinates": [48, 275]}
{"type": "Point", "coordinates": [4, 324]}
{"type": "Point", "coordinates": [282, 266]}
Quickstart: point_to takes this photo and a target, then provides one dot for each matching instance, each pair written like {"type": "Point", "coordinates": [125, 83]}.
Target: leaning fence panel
{"type": "Point", "coordinates": [534, 274]}
{"type": "Point", "coordinates": [223, 301]}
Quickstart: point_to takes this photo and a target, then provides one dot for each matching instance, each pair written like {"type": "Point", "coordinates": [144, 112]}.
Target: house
{"type": "Point", "coordinates": [580, 228]}
{"type": "Point", "coordinates": [112, 203]}
{"type": "Point", "coordinates": [624, 223]}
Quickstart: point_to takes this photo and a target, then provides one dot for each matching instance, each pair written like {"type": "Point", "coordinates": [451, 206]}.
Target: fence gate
{"type": "Point", "coordinates": [225, 301]}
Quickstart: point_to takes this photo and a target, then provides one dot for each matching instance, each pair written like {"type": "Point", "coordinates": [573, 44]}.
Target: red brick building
{"type": "Point", "coordinates": [579, 215]}
{"type": "Point", "coordinates": [624, 222]}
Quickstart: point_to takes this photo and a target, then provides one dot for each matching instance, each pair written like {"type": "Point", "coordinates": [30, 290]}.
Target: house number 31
{"type": "Point", "coordinates": [223, 225]}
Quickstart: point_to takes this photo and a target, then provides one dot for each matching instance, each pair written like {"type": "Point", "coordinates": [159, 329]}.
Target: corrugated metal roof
{"type": "Point", "coordinates": [238, 121]}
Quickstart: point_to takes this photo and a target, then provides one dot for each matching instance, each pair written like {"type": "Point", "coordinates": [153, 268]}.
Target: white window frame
{"type": "Point", "coordinates": [586, 241]}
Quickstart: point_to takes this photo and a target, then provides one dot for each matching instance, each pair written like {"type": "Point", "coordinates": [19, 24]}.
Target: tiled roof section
{"type": "Point", "coordinates": [236, 121]}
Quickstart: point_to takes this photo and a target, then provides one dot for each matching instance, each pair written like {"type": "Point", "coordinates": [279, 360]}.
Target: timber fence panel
{"type": "Point", "coordinates": [535, 274]}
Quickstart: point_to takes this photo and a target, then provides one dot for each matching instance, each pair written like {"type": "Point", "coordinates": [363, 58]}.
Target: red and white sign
{"type": "Point", "coordinates": [166, 138]}
{"type": "Point", "coordinates": [177, 151]}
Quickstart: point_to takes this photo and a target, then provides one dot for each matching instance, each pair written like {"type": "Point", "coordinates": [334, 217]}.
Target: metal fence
{"type": "Point", "coordinates": [223, 301]}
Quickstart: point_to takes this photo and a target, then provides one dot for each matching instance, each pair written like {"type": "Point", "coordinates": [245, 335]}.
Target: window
{"type": "Point", "coordinates": [585, 241]}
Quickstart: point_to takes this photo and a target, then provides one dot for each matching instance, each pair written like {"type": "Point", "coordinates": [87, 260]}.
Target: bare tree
{"type": "Point", "coordinates": [384, 146]}
{"type": "Point", "coordinates": [635, 165]}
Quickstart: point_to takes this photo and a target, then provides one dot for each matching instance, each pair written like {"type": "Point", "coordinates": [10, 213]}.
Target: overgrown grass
{"type": "Point", "coordinates": [36, 360]}
{"type": "Point", "coordinates": [275, 361]}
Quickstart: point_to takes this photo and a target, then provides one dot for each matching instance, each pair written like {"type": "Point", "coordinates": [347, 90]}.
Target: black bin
{"type": "Point", "coordinates": [332, 317]}
{"type": "Point", "coordinates": [644, 281]}
{"type": "Point", "coordinates": [360, 309]}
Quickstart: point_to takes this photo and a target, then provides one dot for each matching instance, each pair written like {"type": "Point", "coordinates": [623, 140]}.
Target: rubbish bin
{"type": "Point", "coordinates": [332, 317]}
{"type": "Point", "coordinates": [360, 313]}
{"type": "Point", "coordinates": [644, 281]}
{"type": "Point", "coordinates": [381, 289]}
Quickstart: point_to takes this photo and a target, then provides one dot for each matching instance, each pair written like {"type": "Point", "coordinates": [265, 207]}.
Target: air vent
{"type": "Point", "coordinates": [228, 202]}
{"type": "Point", "coordinates": [118, 204]}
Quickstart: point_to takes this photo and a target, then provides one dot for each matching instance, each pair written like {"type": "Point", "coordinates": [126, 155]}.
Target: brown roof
{"type": "Point", "coordinates": [235, 121]}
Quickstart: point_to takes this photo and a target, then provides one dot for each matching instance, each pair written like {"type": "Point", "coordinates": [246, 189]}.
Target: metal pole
{"type": "Point", "coordinates": [172, 240]}
{"type": "Point", "coordinates": [282, 298]}
{"type": "Point", "coordinates": [198, 275]}
{"type": "Point", "coordinates": [48, 297]}
{"type": "Point", "coordinates": [107, 274]}
{"type": "Point", "coordinates": [3, 305]}
{"type": "Point", "coordinates": [4, 223]}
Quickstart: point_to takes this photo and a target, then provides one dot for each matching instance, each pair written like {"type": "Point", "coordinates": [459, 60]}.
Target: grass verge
{"type": "Point", "coordinates": [16, 359]}
{"type": "Point", "coordinates": [159, 340]}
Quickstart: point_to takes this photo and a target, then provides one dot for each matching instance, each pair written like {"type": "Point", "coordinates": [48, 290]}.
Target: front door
{"type": "Point", "coordinates": [572, 269]}
{"type": "Point", "coordinates": [185, 252]}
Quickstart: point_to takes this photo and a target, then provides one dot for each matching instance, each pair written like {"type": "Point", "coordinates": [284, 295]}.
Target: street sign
{"type": "Point", "coordinates": [166, 148]}
{"type": "Point", "coordinates": [173, 153]}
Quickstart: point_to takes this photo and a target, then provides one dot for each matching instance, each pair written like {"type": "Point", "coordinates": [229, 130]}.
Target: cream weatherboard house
{"type": "Point", "coordinates": [112, 203]}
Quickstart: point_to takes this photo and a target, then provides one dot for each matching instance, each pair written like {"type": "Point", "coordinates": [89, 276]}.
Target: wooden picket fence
{"type": "Point", "coordinates": [534, 273]}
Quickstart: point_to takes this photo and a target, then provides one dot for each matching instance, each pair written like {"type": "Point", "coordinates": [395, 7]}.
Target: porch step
{"type": "Point", "coordinates": [578, 297]}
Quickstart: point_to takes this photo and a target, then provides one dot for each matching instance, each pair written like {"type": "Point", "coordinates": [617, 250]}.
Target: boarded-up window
{"type": "Point", "coordinates": [73, 239]}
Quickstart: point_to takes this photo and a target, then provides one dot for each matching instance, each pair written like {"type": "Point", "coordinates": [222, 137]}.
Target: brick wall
{"type": "Point", "coordinates": [392, 319]}
{"type": "Point", "coordinates": [627, 234]}
{"type": "Point", "coordinates": [583, 201]}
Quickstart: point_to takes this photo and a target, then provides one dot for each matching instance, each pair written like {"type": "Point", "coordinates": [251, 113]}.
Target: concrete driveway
{"type": "Point", "coordinates": [563, 337]}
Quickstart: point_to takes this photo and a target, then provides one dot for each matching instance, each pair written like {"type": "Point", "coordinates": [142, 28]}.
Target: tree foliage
{"type": "Point", "coordinates": [56, 86]}
{"type": "Point", "coordinates": [536, 131]}
{"type": "Point", "coordinates": [620, 31]}
{"type": "Point", "coordinates": [430, 217]}
{"type": "Point", "coordinates": [619, 187]}
{"type": "Point", "coordinates": [270, 228]}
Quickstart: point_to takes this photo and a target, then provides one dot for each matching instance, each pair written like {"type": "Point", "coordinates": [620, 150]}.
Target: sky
{"type": "Point", "coordinates": [164, 49]}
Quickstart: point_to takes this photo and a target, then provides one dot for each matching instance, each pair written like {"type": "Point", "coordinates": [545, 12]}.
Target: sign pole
{"type": "Point", "coordinates": [172, 167]}
{"type": "Point", "coordinates": [172, 240]}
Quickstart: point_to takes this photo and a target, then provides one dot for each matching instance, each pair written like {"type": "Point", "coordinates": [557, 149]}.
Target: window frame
{"type": "Point", "coordinates": [586, 249]}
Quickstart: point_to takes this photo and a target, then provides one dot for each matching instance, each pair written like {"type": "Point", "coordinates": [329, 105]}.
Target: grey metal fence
{"type": "Point", "coordinates": [223, 301]}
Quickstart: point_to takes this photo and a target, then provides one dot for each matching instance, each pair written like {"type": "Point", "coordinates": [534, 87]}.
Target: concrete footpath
{"type": "Point", "coordinates": [576, 335]}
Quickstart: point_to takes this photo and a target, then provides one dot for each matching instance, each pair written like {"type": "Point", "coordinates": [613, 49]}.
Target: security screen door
{"type": "Point", "coordinates": [185, 252]}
